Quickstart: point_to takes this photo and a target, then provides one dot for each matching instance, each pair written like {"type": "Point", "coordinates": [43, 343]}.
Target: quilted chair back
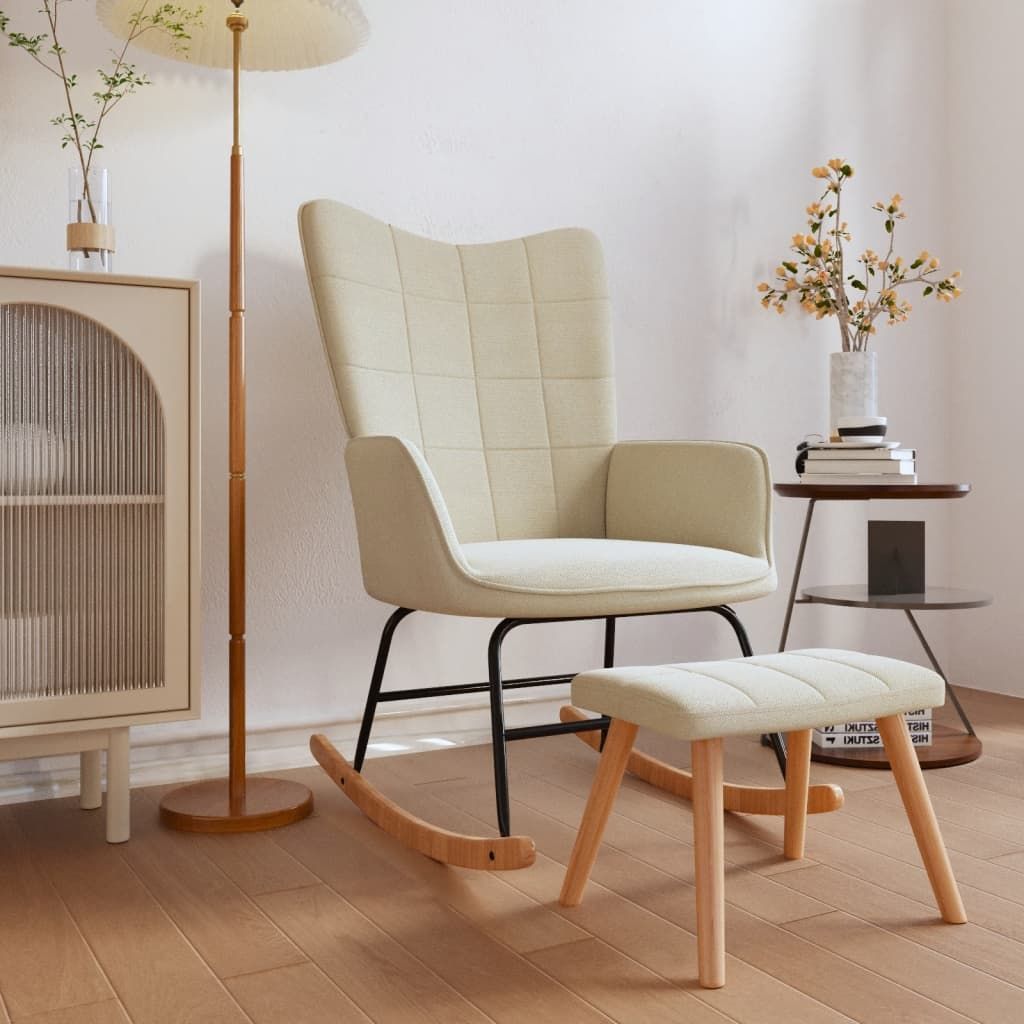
{"type": "Point", "coordinates": [495, 360]}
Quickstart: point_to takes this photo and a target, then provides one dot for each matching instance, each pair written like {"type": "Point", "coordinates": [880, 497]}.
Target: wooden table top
{"type": "Point", "coordinates": [865, 492]}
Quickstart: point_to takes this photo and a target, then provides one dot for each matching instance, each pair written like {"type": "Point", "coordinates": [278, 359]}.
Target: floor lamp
{"type": "Point", "coordinates": [283, 35]}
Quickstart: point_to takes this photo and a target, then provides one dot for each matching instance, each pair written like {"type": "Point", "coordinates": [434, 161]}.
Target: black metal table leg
{"type": "Point", "coordinates": [938, 668]}
{"type": "Point", "coordinates": [796, 575]}
{"type": "Point", "coordinates": [776, 741]}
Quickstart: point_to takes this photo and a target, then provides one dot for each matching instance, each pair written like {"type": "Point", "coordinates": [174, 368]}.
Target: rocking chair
{"type": "Point", "coordinates": [476, 383]}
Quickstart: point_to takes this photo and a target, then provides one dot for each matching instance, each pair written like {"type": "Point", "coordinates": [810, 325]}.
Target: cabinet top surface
{"type": "Point", "coordinates": [54, 274]}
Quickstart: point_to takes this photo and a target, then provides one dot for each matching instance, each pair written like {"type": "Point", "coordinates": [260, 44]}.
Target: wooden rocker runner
{"type": "Point", "coordinates": [477, 386]}
{"type": "Point", "coordinates": [501, 853]}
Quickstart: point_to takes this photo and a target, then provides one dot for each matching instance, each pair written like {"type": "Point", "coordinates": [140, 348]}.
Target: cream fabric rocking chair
{"type": "Point", "coordinates": [477, 385]}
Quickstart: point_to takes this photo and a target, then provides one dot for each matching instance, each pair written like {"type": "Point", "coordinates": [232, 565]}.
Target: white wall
{"type": "Point", "coordinates": [986, 83]}
{"type": "Point", "coordinates": [682, 132]}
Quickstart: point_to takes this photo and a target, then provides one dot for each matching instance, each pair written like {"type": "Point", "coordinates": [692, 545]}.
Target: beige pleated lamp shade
{"type": "Point", "coordinates": [283, 35]}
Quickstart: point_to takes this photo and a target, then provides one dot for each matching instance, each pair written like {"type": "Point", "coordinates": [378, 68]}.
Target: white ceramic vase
{"type": "Point", "coordinates": [854, 386]}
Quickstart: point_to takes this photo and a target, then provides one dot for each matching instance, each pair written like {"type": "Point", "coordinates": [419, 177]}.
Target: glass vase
{"type": "Point", "coordinates": [90, 234]}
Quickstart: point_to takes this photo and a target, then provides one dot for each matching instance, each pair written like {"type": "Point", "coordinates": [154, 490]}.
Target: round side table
{"type": "Point", "coordinates": [949, 746]}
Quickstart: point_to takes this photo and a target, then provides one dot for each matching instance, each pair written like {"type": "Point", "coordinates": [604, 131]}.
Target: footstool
{"type": "Point", "coordinates": [791, 693]}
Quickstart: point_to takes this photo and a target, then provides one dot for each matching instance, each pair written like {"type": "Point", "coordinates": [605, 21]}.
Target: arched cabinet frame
{"type": "Point", "coordinates": [157, 320]}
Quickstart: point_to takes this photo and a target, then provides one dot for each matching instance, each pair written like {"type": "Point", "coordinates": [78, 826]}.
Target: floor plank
{"type": "Point", "coordinates": [1012, 861]}
{"type": "Point", "coordinates": [107, 1012]}
{"type": "Point", "coordinates": [432, 932]}
{"type": "Point", "coordinates": [1001, 913]}
{"type": "Point", "coordinates": [298, 993]}
{"type": "Point", "coordinates": [36, 930]}
{"type": "Point", "coordinates": [981, 827]}
{"type": "Point", "coordinates": [883, 807]}
{"type": "Point", "coordinates": [157, 974]}
{"type": "Point", "coordinates": [621, 987]}
{"type": "Point", "coordinates": [227, 929]}
{"type": "Point", "coordinates": [255, 863]}
{"type": "Point", "coordinates": [376, 971]}
{"type": "Point", "coordinates": [962, 791]}
{"type": "Point", "coordinates": [978, 947]}
{"type": "Point", "coordinates": [939, 977]}
{"type": "Point", "coordinates": [851, 834]}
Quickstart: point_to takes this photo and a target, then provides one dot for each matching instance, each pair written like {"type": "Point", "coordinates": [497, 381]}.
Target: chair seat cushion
{"type": "Point", "coordinates": [594, 576]}
{"type": "Point", "coordinates": [767, 693]}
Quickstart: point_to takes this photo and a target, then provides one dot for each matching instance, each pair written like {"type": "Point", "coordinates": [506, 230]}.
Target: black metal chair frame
{"type": "Point", "coordinates": [495, 685]}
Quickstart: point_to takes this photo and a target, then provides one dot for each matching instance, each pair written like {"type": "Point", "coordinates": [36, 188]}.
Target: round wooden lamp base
{"type": "Point", "coordinates": [204, 806]}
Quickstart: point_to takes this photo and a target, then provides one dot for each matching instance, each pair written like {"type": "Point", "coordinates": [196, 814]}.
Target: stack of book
{"type": "Point", "coordinates": [864, 735]}
{"type": "Point", "coordinates": [839, 462]}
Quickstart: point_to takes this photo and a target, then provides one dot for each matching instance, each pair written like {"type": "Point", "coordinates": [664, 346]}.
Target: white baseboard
{"type": "Point", "coordinates": [395, 732]}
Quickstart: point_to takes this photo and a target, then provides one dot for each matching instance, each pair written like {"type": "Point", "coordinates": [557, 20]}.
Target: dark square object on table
{"type": "Point", "coordinates": [896, 561]}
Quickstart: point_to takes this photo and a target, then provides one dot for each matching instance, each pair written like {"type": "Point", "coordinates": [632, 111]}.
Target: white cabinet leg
{"type": "Point", "coordinates": [118, 787]}
{"type": "Point", "coordinates": [90, 781]}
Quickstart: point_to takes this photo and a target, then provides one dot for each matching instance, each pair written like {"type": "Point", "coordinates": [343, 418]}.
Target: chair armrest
{"type": "Point", "coordinates": [716, 494]}
{"type": "Point", "coordinates": [407, 544]}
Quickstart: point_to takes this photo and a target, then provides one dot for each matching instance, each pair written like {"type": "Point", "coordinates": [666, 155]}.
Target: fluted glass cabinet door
{"type": "Point", "coordinates": [94, 500]}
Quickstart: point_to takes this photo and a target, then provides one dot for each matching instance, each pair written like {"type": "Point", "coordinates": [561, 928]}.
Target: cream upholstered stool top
{"type": "Point", "coordinates": [792, 693]}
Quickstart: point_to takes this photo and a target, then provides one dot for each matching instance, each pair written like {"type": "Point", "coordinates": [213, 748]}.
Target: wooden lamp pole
{"type": "Point", "coordinates": [237, 23]}
{"type": "Point", "coordinates": [244, 804]}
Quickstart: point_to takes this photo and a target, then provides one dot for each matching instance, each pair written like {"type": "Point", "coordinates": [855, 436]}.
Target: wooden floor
{"type": "Point", "coordinates": [330, 921]}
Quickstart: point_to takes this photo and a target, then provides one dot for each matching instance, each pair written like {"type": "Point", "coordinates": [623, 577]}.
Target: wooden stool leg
{"type": "Point", "coordinates": [709, 860]}
{"type": "Point", "coordinates": [910, 780]}
{"type": "Point", "coordinates": [798, 774]}
{"type": "Point", "coordinates": [610, 770]}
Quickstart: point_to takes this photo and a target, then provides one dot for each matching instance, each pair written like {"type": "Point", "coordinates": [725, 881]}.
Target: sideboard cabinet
{"type": "Point", "coordinates": [99, 517]}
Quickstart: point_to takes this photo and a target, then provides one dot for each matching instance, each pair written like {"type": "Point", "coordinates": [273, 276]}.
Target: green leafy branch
{"type": "Point", "coordinates": [122, 79]}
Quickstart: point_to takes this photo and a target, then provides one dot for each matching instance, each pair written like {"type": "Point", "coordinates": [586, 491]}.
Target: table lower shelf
{"type": "Point", "coordinates": [949, 747]}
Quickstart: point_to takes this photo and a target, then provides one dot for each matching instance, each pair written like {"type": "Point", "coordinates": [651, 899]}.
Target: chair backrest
{"type": "Point", "coordinates": [495, 360]}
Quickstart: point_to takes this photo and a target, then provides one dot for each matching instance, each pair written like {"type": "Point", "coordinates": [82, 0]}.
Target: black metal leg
{"type": "Point", "coordinates": [375, 683]}
{"type": "Point", "coordinates": [609, 641]}
{"type": "Point", "coordinates": [778, 744]}
{"type": "Point", "coordinates": [609, 662]}
{"type": "Point", "coordinates": [797, 570]}
{"type": "Point", "coordinates": [498, 751]}
{"type": "Point", "coordinates": [775, 740]}
{"type": "Point", "coordinates": [738, 628]}
{"type": "Point", "coordinates": [938, 668]}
